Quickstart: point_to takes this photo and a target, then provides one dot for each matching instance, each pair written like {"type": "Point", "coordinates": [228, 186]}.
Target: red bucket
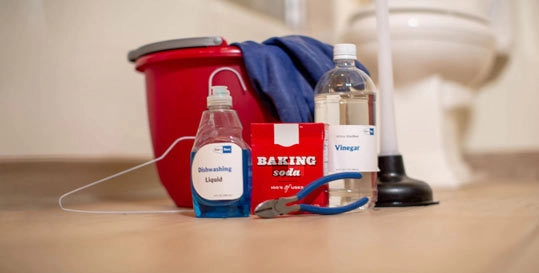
{"type": "Point", "coordinates": [177, 75]}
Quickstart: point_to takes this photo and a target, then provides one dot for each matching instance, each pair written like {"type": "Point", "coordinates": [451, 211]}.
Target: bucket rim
{"type": "Point", "coordinates": [215, 54]}
{"type": "Point", "coordinates": [174, 44]}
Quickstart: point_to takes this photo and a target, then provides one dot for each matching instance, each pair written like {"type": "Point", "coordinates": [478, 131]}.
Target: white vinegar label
{"type": "Point", "coordinates": [352, 148]}
{"type": "Point", "coordinates": [217, 171]}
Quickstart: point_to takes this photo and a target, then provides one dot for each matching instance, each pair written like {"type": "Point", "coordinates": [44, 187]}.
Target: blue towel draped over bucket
{"type": "Point", "coordinates": [285, 70]}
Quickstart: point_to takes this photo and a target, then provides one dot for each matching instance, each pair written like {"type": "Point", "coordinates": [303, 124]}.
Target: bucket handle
{"type": "Point", "coordinates": [223, 69]}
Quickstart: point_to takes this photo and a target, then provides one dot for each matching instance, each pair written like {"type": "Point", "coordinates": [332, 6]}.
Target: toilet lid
{"type": "Point", "coordinates": [468, 9]}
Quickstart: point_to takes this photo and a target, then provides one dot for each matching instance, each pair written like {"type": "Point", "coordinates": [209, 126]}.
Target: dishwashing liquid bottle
{"type": "Point", "coordinates": [220, 161]}
{"type": "Point", "coordinates": [345, 99]}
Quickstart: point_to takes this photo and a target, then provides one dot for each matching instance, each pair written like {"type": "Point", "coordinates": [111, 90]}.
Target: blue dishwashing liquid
{"type": "Point", "coordinates": [220, 161]}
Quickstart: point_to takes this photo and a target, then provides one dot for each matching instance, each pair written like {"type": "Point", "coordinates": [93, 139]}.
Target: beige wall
{"type": "Point", "coordinates": [506, 116]}
{"type": "Point", "coordinates": [67, 90]}
{"type": "Point", "coordinates": [66, 87]}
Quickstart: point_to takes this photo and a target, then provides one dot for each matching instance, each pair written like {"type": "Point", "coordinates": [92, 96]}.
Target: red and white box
{"type": "Point", "coordinates": [285, 158]}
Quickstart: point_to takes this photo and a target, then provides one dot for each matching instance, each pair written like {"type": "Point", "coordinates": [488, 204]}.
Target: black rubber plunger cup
{"type": "Point", "coordinates": [396, 189]}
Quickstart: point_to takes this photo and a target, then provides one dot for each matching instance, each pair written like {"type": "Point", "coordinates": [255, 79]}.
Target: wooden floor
{"type": "Point", "coordinates": [490, 226]}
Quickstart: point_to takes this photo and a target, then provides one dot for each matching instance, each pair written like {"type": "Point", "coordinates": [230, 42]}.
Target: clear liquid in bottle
{"type": "Point", "coordinates": [345, 99]}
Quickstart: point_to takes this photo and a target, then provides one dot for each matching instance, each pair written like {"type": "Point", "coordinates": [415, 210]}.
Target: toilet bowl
{"type": "Point", "coordinates": [442, 53]}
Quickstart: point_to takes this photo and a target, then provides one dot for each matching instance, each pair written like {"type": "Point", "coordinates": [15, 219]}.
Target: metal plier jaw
{"type": "Point", "coordinates": [276, 207]}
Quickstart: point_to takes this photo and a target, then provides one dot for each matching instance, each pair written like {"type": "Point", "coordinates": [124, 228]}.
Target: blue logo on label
{"type": "Point", "coordinates": [371, 131]}
{"type": "Point", "coordinates": [227, 149]}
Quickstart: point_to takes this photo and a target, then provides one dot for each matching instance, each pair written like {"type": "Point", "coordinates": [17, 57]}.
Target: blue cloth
{"type": "Point", "coordinates": [284, 72]}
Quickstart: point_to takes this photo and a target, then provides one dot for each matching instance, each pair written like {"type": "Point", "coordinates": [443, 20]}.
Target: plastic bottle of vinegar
{"type": "Point", "coordinates": [345, 99]}
{"type": "Point", "coordinates": [220, 161]}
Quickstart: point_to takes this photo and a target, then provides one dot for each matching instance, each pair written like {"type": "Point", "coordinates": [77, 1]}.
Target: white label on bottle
{"type": "Point", "coordinates": [352, 148]}
{"type": "Point", "coordinates": [217, 171]}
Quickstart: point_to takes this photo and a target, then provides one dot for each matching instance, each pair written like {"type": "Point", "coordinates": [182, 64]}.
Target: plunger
{"type": "Point", "coordinates": [395, 188]}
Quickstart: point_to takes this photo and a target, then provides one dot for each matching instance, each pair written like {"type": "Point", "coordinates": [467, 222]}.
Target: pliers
{"type": "Point", "coordinates": [275, 207]}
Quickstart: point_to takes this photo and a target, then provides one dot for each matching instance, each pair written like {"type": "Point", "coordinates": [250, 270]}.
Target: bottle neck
{"type": "Point", "coordinates": [219, 107]}
{"type": "Point", "coordinates": [345, 62]}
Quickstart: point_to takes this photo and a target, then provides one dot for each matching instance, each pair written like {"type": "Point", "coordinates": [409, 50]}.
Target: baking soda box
{"type": "Point", "coordinates": [286, 157]}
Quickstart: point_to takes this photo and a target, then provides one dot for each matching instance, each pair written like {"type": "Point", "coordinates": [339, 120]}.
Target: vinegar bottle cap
{"type": "Point", "coordinates": [344, 51]}
{"type": "Point", "coordinates": [220, 96]}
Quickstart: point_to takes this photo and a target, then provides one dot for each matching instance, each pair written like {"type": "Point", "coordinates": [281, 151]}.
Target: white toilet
{"type": "Point", "coordinates": [442, 52]}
